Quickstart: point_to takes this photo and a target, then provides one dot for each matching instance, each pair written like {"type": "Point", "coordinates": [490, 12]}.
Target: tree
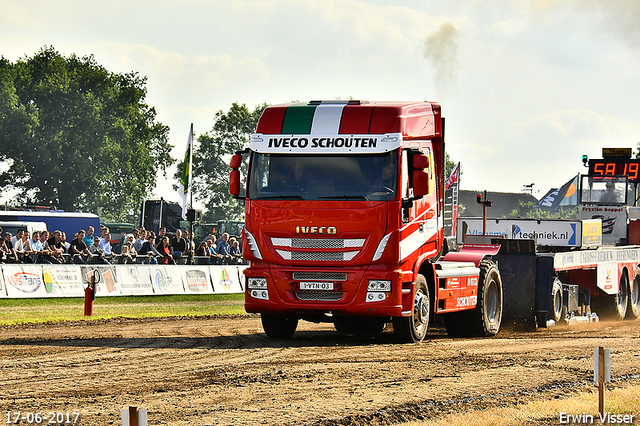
{"type": "Point", "coordinates": [231, 132]}
{"type": "Point", "coordinates": [529, 210]}
{"type": "Point", "coordinates": [81, 137]}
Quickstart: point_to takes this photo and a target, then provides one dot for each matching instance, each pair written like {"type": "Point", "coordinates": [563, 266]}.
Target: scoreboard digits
{"type": "Point", "coordinates": [616, 167]}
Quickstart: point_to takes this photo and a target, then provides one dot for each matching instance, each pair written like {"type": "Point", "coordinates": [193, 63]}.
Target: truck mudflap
{"type": "Point", "coordinates": [472, 253]}
{"type": "Point", "coordinates": [457, 286]}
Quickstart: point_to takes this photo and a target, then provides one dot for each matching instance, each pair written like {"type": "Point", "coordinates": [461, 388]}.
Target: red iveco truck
{"type": "Point", "coordinates": [344, 224]}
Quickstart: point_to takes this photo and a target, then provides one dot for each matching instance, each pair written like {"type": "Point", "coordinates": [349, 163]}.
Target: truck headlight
{"type": "Point", "coordinates": [379, 285]}
{"type": "Point", "coordinates": [257, 283]}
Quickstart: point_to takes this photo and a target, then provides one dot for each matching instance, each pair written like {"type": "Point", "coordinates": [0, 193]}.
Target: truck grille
{"type": "Point", "coordinates": [319, 276]}
{"type": "Point", "coordinates": [318, 256]}
{"type": "Point", "coordinates": [318, 243]}
{"type": "Point", "coordinates": [329, 296]}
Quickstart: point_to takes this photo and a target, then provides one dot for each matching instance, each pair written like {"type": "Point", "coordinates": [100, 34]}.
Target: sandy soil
{"type": "Point", "coordinates": [225, 371]}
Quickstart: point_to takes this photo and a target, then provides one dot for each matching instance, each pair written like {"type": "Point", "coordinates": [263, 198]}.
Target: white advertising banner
{"type": "Point", "coordinates": [63, 280]}
{"type": "Point", "coordinates": [20, 281]}
{"type": "Point", "coordinates": [3, 287]}
{"type": "Point", "coordinates": [196, 279]}
{"type": "Point", "coordinates": [226, 279]}
{"type": "Point", "coordinates": [557, 233]}
{"type": "Point", "coordinates": [24, 281]}
{"type": "Point", "coordinates": [166, 279]}
{"type": "Point", "coordinates": [105, 279]}
{"type": "Point", "coordinates": [133, 280]}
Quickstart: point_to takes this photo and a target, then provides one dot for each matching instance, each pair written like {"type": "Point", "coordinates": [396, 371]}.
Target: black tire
{"type": "Point", "coordinates": [633, 309]}
{"type": "Point", "coordinates": [485, 319]}
{"type": "Point", "coordinates": [558, 308]}
{"type": "Point", "coordinates": [279, 326]}
{"type": "Point", "coordinates": [413, 329]}
{"type": "Point", "coordinates": [613, 307]}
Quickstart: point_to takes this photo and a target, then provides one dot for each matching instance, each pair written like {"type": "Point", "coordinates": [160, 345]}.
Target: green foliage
{"type": "Point", "coordinates": [77, 136]}
{"type": "Point", "coordinates": [449, 165]}
{"type": "Point", "coordinates": [528, 211]}
{"type": "Point", "coordinates": [231, 132]}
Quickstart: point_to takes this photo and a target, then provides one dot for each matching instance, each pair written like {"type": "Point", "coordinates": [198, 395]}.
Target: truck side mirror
{"type": "Point", "coordinates": [420, 183]}
{"type": "Point", "coordinates": [420, 177]}
{"type": "Point", "coordinates": [234, 176]}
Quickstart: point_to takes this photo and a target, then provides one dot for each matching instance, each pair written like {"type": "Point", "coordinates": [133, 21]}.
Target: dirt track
{"type": "Point", "coordinates": [226, 371]}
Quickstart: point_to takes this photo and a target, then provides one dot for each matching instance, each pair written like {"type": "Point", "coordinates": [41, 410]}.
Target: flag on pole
{"type": "Point", "coordinates": [453, 177]}
{"type": "Point", "coordinates": [567, 195]}
{"type": "Point", "coordinates": [184, 187]}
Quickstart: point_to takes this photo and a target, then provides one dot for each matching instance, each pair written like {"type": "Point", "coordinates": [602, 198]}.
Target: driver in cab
{"type": "Point", "coordinates": [611, 195]}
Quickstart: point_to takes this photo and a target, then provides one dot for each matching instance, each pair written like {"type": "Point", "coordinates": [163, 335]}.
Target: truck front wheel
{"type": "Point", "coordinates": [413, 328]}
{"type": "Point", "coordinates": [279, 326]}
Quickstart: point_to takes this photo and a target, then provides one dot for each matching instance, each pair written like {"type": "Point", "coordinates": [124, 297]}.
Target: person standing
{"type": "Point", "coordinates": [178, 245]}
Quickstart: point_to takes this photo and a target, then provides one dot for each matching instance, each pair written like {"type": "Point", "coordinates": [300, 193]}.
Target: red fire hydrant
{"type": "Point", "coordinates": [89, 296]}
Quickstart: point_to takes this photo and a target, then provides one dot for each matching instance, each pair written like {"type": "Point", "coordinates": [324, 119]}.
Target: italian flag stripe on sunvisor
{"type": "Point", "coordinates": [327, 118]}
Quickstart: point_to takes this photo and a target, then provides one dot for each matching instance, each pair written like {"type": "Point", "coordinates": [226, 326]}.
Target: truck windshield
{"type": "Point", "coordinates": [324, 177]}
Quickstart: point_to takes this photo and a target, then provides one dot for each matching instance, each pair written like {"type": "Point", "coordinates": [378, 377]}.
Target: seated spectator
{"type": "Point", "coordinates": [56, 246]}
{"type": "Point", "coordinates": [137, 241]}
{"type": "Point", "coordinates": [23, 248]}
{"type": "Point", "coordinates": [125, 254]}
{"type": "Point", "coordinates": [223, 248]}
{"type": "Point", "coordinates": [36, 250]}
{"type": "Point", "coordinates": [105, 244]}
{"type": "Point", "coordinates": [8, 251]}
{"type": "Point", "coordinates": [18, 236]}
{"type": "Point", "coordinates": [63, 240]}
{"type": "Point", "coordinates": [165, 252]}
{"type": "Point", "coordinates": [95, 249]}
{"type": "Point", "coordinates": [88, 238]}
{"type": "Point", "coordinates": [77, 248]}
{"type": "Point", "coordinates": [203, 255]}
{"type": "Point", "coordinates": [234, 250]}
{"type": "Point", "coordinates": [148, 248]}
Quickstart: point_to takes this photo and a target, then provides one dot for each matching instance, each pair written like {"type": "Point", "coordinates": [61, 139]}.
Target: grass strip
{"type": "Point", "coordinates": [578, 409]}
{"type": "Point", "coordinates": [25, 311]}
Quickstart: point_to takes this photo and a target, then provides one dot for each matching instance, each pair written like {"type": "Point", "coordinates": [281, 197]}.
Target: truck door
{"type": "Point", "coordinates": [419, 216]}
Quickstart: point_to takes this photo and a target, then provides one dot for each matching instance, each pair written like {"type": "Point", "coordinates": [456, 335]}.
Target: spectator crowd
{"type": "Point", "coordinates": [141, 247]}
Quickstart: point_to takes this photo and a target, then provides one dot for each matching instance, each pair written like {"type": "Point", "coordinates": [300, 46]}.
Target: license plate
{"type": "Point", "coordinates": [315, 285]}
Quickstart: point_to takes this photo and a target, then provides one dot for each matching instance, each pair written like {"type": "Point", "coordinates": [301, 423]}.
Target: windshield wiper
{"type": "Point", "coordinates": [274, 197]}
{"type": "Point", "coordinates": [344, 197]}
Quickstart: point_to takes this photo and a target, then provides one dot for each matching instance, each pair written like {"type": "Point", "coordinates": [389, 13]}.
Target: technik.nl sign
{"type": "Point", "coordinates": [545, 232]}
{"type": "Point", "coordinates": [325, 144]}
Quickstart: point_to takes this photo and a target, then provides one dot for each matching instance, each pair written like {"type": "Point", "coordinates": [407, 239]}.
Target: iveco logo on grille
{"type": "Point", "coordinates": [328, 230]}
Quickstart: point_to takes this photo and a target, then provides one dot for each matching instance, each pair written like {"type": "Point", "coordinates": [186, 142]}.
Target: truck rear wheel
{"type": "Point", "coordinates": [279, 326]}
{"type": "Point", "coordinates": [633, 310]}
{"type": "Point", "coordinates": [559, 313]}
{"type": "Point", "coordinates": [485, 319]}
{"type": "Point", "coordinates": [413, 328]}
{"type": "Point", "coordinates": [614, 306]}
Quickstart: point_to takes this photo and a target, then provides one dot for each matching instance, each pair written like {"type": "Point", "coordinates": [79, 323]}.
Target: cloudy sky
{"type": "Point", "coordinates": [527, 87]}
